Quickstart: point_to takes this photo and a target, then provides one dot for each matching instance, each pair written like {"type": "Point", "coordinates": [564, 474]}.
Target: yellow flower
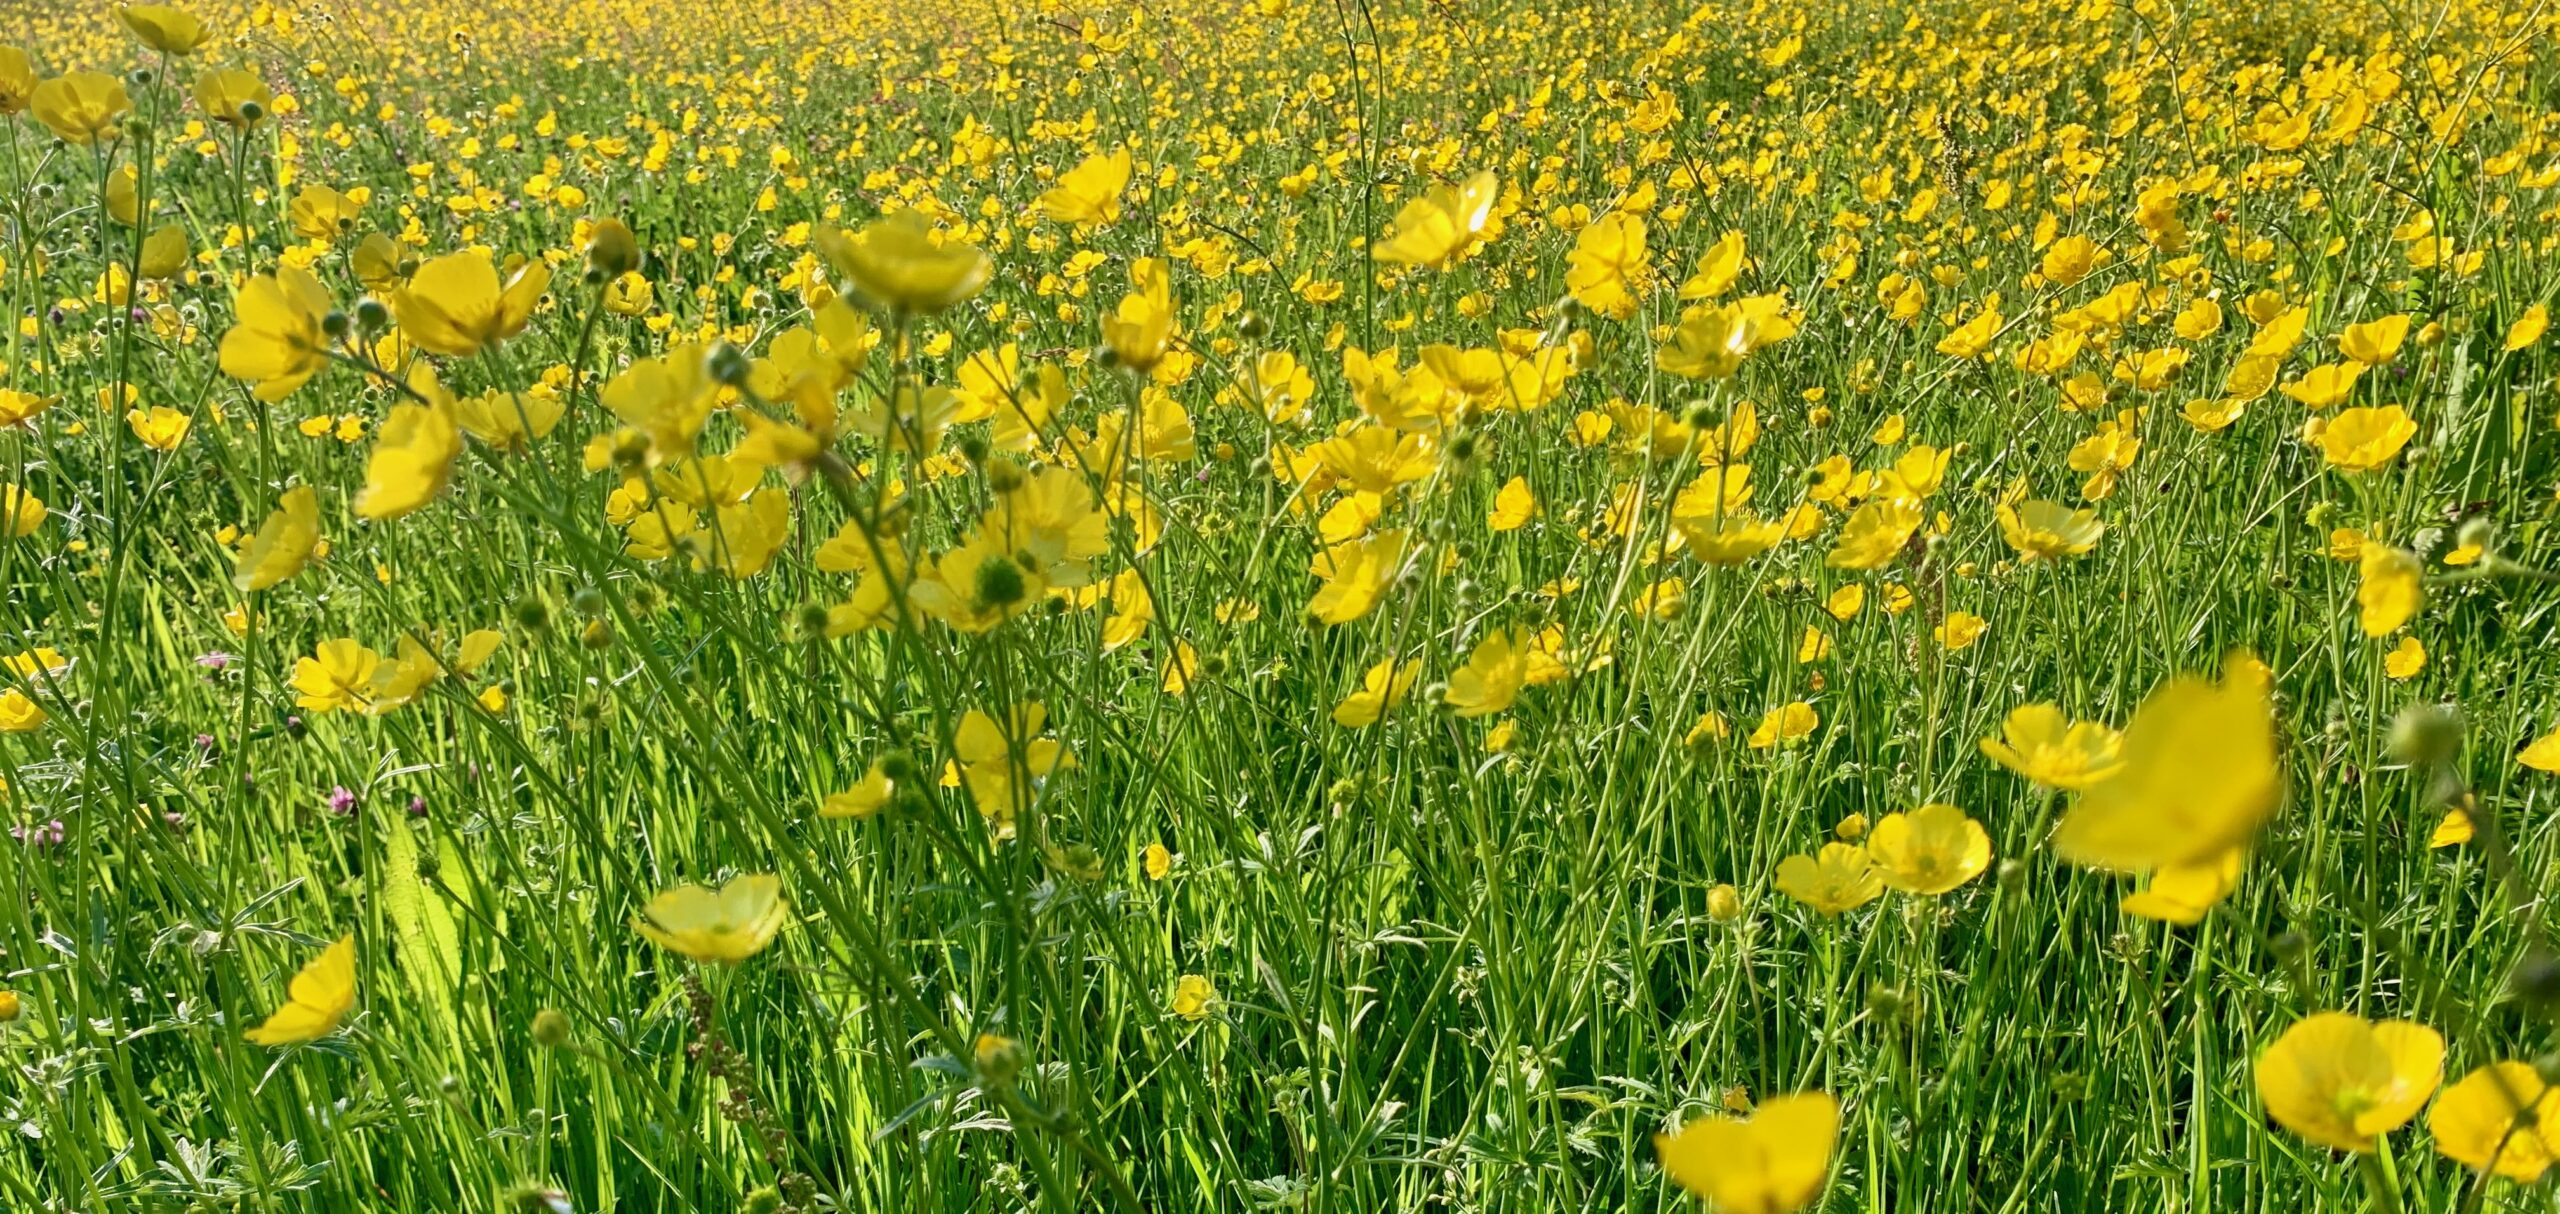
{"type": "Point", "coordinates": [2325, 385]}
{"type": "Point", "coordinates": [2405, 660]}
{"type": "Point", "coordinates": [2542, 754]}
{"type": "Point", "coordinates": [2529, 327]}
{"type": "Point", "coordinates": [234, 98]}
{"type": "Point", "coordinates": [667, 398]}
{"type": "Point", "coordinates": [1142, 327]}
{"type": "Point", "coordinates": [1513, 506]}
{"type": "Point", "coordinates": [318, 998]}
{"type": "Point", "coordinates": [899, 263]}
{"type": "Point", "coordinates": [2199, 777]}
{"type": "Point", "coordinates": [1442, 226]}
{"type": "Point", "coordinates": [2182, 893]}
{"type": "Point", "coordinates": [1840, 878]}
{"type": "Point", "coordinates": [169, 30]}
{"type": "Point", "coordinates": [1157, 860]}
{"type": "Point", "coordinates": [284, 542]}
{"type": "Point", "coordinates": [1930, 850]}
{"type": "Point", "coordinates": [869, 795]}
{"type": "Point", "coordinates": [456, 304]}
{"type": "Point", "coordinates": [1493, 676]}
{"type": "Point", "coordinates": [2343, 1082]}
{"type": "Point", "coordinates": [1730, 540]}
{"type": "Point", "coordinates": [2388, 588]}
{"type": "Point", "coordinates": [509, 421]}
{"type": "Point", "coordinates": [1002, 765]}
{"type": "Point", "coordinates": [20, 714]}
{"type": "Point", "coordinates": [1875, 534]}
{"type": "Point", "coordinates": [276, 338]}
{"type": "Point", "coordinates": [1089, 193]}
{"type": "Point", "coordinates": [413, 458]}
{"type": "Point", "coordinates": [1773, 1163]}
{"type": "Point", "coordinates": [80, 106]}
{"type": "Point", "coordinates": [322, 214]}
{"type": "Point", "coordinates": [17, 80]}
{"type": "Point", "coordinates": [1961, 629]}
{"type": "Point", "coordinates": [1382, 687]}
{"type": "Point", "coordinates": [160, 428]}
{"type": "Point", "coordinates": [164, 253]}
{"type": "Point", "coordinates": [1606, 270]}
{"type": "Point", "coordinates": [1355, 575]}
{"type": "Point", "coordinates": [2039, 742]}
{"type": "Point", "coordinates": [1785, 726]}
{"type": "Point", "coordinates": [2361, 440]}
{"type": "Point", "coordinates": [21, 512]}
{"type": "Point", "coordinates": [2042, 530]}
{"type": "Point", "coordinates": [1193, 996]}
{"type": "Point", "coordinates": [2482, 1121]}
{"type": "Point", "coordinates": [725, 925]}
{"type": "Point", "coordinates": [2376, 342]}
{"type": "Point", "coordinates": [1972, 338]}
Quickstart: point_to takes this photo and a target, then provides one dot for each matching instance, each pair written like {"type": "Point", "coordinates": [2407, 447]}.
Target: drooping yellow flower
{"type": "Point", "coordinates": [2389, 588]}
{"type": "Point", "coordinates": [1928, 851]}
{"type": "Point", "coordinates": [2043, 530]}
{"type": "Point", "coordinates": [164, 28]}
{"type": "Point", "coordinates": [1774, 1162]}
{"type": "Point", "coordinates": [2199, 776]}
{"type": "Point", "coordinates": [235, 98]}
{"type": "Point", "coordinates": [1089, 194]}
{"type": "Point", "coordinates": [317, 1000]}
{"type": "Point", "coordinates": [2041, 743]}
{"type": "Point", "coordinates": [457, 304]}
{"type": "Point", "coordinates": [725, 925]}
{"type": "Point", "coordinates": [283, 543]}
{"type": "Point", "coordinates": [80, 106]}
{"type": "Point", "coordinates": [1443, 225]}
{"type": "Point", "coordinates": [1493, 676]}
{"type": "Point", "coordinates": [2361, 440]}
{"type": "Point", "coordinates": [898, 262]}
{"type": "Point", "coordinates": [2343, 1082]}
{"type": "Point", "coordinates": [1840, 878]}
{"type": "Point", "coordinates": [276, 339]}
{"type": "Point", "coordinates": [17, 80]}
{"type": "Point", "coordinates": [2501, 1117]}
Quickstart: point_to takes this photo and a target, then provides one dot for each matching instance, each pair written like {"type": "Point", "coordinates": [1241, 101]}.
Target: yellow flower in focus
{"type": "Point", "coordinates": [1875, 534]}
{"type": "Point", "coordinates": [1607, 269]}
{"type": "Point", "coordinates": [1513, 506]}
{"type": "Point", "coordinates": [80, 106]}
{"type": "Point", "coordinates": [2375, 342]}
{"type": "Point", "coordinates": [1139, 331]}
{"type": "Point", "coordinates": [19, 713]}
{"type": "Point", "coordinates": [456, 304]}
{"type": "Point", "coordinates": [276, 339]}
{"type": "Point", "coordinates": [1442, 226]}
{"type": "Point", "coordinates": [2502, 1118]}
{"type": "Point", "coordinates": [1729, 540]}
{"type": "Point", "coordinates": [725, 925]}
{"type": "Point", "coordinates": [2343, 1082]}
{"type": "Point", "coordinates": [2199, 777]}
{"type": "Point", "coordinates": [2405, 659]}
{"type": "Point", "coordinates": [1928, 851]}
{"type": "Point", "coordinates": [1493, 676]}
{"type": "Point", "coordinates": [1785, 726]}
{"type": "Point", "coordinates": [159, 427]}
{"type": "Point", "coordinates": [1355, 575]}
{"type": "Point", "coordinates": [898, 262]}
{"type": "Point", "coordinates": [317, 1000]}
{"type": "Point", "coordinates": [1840, 878]}
{"type": "Point", "coordinates": [284, 543]}
{"type": "Point", "coordinates": [1774, 1162]}
{"type": "Point", "coordinates": [2039, 742]}
{"type": "Point", "coordinates": [164, 28]}
{"type": "Point", "coordinates": [2361, 440]}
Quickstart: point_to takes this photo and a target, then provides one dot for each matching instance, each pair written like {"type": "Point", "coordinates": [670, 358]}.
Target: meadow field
{"type": "Point", "coordinates": [1279, 605]}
